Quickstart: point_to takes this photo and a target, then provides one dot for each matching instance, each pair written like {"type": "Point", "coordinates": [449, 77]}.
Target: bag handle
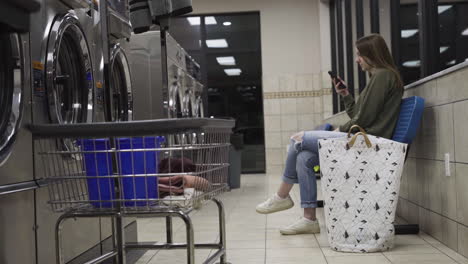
{"type": "Point", "coordinates": [366, 138]}
{"type": "Point", "coordinates": [353, 127]}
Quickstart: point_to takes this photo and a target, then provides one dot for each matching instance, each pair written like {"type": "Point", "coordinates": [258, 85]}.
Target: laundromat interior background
{"type": "Point", "coordinates": [262, 64]}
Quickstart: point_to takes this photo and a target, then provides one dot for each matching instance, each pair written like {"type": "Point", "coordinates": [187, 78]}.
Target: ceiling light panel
{"type": "Point", "coordinates": [194, 21]}
{"type": "Point", "coordinates": [229, 61]}
{"type": "Point", "coordinates": [216, 43]}
{"type": "Point", "coordinates": [233, 72]}
{"type": "Point", "coordinates": [210, 20]}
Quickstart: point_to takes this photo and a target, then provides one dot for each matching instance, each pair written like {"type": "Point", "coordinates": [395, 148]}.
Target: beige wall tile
{"type": "Point", "coordinates": [448, 186]}
{"type": "Point", "coordinates": [461, 140]}
{"type": "Point", "coordinates": [402, 208]}
{"type": "Point", "coordinates": [422, 189]}
{"type": "Point", "coordinates": [423, 218]}
{"type": "Point", "coordinates": [305, 122]}
{"type": "Point", "coordinates": [460, 85]}
{"type": "Point", "coordinates": [272, 107]}
{"type": "Point", "coordinates": [274, 169]}
{"type": "Point", "coordinates": [404, 183]}
{"type": "Point", "coordinates": [462, 193]}
{"type": "Point", "coordinates": [305, 105]}
{"type": "Point", "coordinates": [286, 139]}
{"type": "Point", "coordinates": [413, 213]}
{"type": "Point", "coordinates": [317, 82]}
{"type": "Point", "coordinates": [288, 106]}
{"type": "Point", "coordinates": [305, 82]}
{"type": "Point", "coordinates": [445, 131]}
{"type": "Point", "coordinates": [273, 140]}
{"type": "Point", "coordinates": [272, 124]}
{"type": "Point", "coordinates": [434, 226]}
{"type": "Point", "coordinates": [413, 186]}
{"type": "Point", "coordinates": [287, 83]}
{"type": "Point", "coordinates": [270, 83]}
{"type": "Point", "coordinates": [318, 105]}
{"type": "Point", "coordinates": [327, 103]}
{"type": "Point", "coordinates": [429, 92]}
{"type": "Point", "coordinates": [452, 87]}
{"type": "Point", "coordinates": [433, 196]}
{"type": "Point", "coordinates": [274, 156]}
{"type": "Point", "coordinates": [288, 122]}
{"type": "Point", "coordinates": [318, 119]}
{"type": "Point", "coordinates": [449, 233]}
{"type": "Point", "coordinates": [463, 240]}
{"type": "Point", "coordinates": [426, 146]}
{"type": "Point", "coordinates": [326, 81]}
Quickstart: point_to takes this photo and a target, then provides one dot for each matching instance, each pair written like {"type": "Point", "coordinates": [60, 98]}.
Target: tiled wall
{"type": "Point", "coordinates": [439, 204]}
{"type": "Point", "coordinates": [428, 197]}
{"type": "Point", "coordinates": [292, 103]}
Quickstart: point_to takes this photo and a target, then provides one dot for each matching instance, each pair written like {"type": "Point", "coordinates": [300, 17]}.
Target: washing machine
{"type": "Point", "coordinates": [63, 58]}
{"type": "Point", "coordinates": [195, 87]}
{"type": "Point", "coordinates": [16, 169]}
{"type": "Point", "coordinates": [158, 91]}
{"type": "Point", "coordinates": [63, 77]}
{"type": "Point", "coordinates": [119, 96]}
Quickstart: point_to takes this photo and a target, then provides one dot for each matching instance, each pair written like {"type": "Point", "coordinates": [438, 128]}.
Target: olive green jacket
{"type": "Point", "coordinates": [377, 107]}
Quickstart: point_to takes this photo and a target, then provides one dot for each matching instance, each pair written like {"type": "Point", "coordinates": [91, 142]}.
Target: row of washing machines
{"type": "Point", "coordinates": [53, 70]}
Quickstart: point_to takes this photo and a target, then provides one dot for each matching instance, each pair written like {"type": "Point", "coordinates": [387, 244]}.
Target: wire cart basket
{"type": "Point", "coordinates": [158, 168]}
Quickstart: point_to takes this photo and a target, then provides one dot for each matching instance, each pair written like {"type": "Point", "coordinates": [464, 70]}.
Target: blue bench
{"type": "Point", "coordinates": [411, 111]}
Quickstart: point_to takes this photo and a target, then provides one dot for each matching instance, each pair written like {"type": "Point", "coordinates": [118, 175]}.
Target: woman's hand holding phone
{"type": "Point", "coordinates": [339, 84]}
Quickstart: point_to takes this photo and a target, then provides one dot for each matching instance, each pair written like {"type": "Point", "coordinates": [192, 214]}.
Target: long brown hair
{"type": "Point", "coordinates": [375, 52]}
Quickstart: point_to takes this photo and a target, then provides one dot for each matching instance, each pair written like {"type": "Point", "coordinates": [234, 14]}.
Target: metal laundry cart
{"type": "Point", "coordinates": [160, 168]}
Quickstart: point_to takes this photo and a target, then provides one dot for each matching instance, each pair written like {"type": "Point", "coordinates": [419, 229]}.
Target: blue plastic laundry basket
{"type": "Point", "coordinates": [128, 165]}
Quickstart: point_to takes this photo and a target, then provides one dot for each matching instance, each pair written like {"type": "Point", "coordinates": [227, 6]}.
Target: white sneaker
{"type": "Point", "coordinates": [301, 226]}
{"type": "Point", "coordinates": [275, 204]}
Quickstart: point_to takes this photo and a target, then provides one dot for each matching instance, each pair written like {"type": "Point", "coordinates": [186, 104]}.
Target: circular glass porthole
{"type": "Point", "coordinates": [11, 89]}
{"type": "Point", "coordinates": [69, 73]}
{"type": "Point", "coordinates": [120, 103]}
{"type": "Point", "coordinates": [175, 98]}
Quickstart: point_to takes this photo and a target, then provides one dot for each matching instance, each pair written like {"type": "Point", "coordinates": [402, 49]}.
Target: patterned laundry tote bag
{"type": "Point", "coordinates": [360, 184]}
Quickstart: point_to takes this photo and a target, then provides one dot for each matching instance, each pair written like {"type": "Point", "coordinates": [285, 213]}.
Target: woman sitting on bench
{"type": "Point", "coordinates": [376, 110]}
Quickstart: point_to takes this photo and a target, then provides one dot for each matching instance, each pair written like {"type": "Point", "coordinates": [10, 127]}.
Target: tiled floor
{"type": "Point", "coordinates": [254, 239]}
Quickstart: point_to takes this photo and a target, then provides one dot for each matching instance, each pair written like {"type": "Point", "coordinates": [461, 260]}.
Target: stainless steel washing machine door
{"type": "Point", "coordinates": [11, 91]}
{"type": "Point", "coordinates": [120, 101]}
{"type": "Point", "coordinates": [175, 86]}
{"type": "Point", "coordinates": [69, 73]}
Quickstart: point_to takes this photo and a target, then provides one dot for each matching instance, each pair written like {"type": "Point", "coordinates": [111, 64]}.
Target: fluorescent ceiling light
{"type": "Point", "coordinates": [407, 33]}
{"type": "Point", "coordinates": [226, 60]}
{"type": "Point", "coordinates": [210, 20]}
{"type": "Point", "coordinates": [443, 49]}
{"type": "Point", "coordinates": [412, 64]}
{"type": "Point", "coordinates": [443, 8]}
{"type": "Point", "coordinates": [452, 62]}
{"type": "Point", "coordinates": [233, 72]}
{"type": "Point", "coordinates": [465, 32]}
{"type": "Point", "coordinates": [194, 21]}
{"type": "Point", "coordinates": [227, 23]}
{"type": "Point", "coordinates": [216, 43]}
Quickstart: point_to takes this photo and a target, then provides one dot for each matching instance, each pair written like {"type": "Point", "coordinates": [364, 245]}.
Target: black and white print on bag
{"type": "Point", "coordinates": [360, 185]}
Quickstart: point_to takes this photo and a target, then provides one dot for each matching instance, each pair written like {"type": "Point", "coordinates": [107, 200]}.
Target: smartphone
{"type": "Point", "coordinates": [341, 86]}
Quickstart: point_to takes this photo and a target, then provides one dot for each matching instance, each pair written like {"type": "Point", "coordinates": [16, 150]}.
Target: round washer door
{"type": "Point", "coordinates": [69, 73]}
{"type": "Point", "coordinates": [175, 98]}
{"type": "Point", "coordinates": [120, 102]}
{"type": "Point", "coordinates": [11, 91]}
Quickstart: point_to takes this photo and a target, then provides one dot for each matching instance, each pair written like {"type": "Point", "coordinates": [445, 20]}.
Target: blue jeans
{"type": "Point", "coordinates": [302, 157]}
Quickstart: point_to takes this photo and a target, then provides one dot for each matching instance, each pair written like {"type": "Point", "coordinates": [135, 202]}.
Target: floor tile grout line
{"type": "Point", "coordinates": [321, 250]}
{"type": "Point", "coordinates": [441, 251]}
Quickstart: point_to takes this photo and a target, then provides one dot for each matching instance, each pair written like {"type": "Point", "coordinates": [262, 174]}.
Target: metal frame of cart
{"type": "Point", "coordinates": [111, 170]}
